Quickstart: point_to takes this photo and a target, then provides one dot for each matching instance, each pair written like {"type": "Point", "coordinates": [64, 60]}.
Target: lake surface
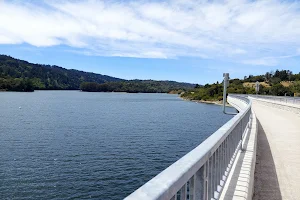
{"type": "Point", "coordinates": [77, 145]}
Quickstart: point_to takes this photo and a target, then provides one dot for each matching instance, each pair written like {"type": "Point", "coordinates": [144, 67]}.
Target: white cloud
{"type": "Point", "coordinates": [239, 30]}
{"type": "Point", "coordinates": [261, 61]}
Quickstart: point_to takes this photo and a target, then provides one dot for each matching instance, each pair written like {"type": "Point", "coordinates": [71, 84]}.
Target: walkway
{"type": "Point", "coordinates": [277, 173]}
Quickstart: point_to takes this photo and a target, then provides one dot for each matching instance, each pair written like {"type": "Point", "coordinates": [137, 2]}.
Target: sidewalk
{"type": "Point", "coordinates": [277, 173]}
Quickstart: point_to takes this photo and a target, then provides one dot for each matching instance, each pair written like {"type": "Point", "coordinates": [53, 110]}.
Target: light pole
{"type": "Point", "coordinates": [225, 83]}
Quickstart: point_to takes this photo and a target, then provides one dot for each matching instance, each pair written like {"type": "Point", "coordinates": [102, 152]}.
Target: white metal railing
{"type": "Point", "coordinates": [282, 99]}
{"type": "Point", "coordinates": [201, 173]}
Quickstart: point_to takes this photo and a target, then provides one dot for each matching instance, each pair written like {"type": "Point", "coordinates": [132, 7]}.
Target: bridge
{"type": "Point", "coordinates": [278, 148]}
{"type": "Point", "coordinates": [255, 155]}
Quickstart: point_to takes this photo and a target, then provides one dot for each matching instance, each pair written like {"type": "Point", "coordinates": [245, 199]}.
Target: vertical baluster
{"type": "Point", "coordinates": [242, 132]}
{"type": "Point", "coordinates": [244, 123]}
{"type": "Point", "coordinates": [231, 142]}
{"type": "Point", "coordinates": [228, 150]}
{"type": "Point", "coordinates": [227, 153]}
{"type": "Point", "coordinates": [230, 147]}
{"type": "Point", "coordinates": [239, 134]}
{"type": "Point", "coordinates": [183, 192]}
{"type": "Point", "coordinates": [222, 162]}
{"type": "Point", "coordinates": [212, 176]}
{"type": "Point", "coordinates": [215, 173]}
{"type": "Point", "coordinates": [206, 182]}
{"type": "Point", "coordinates": [224, 158]}
{"type": "Point", "coordinates": [209, 180]}
{"type": "Point", "coordinates": [219, 161]}
{"type": "Point", "coordinates": [178, 195]}
{"type": "Point", "coordinates": [192, 188]}
{"type": "Point", "coordinates": [218, 166]}
{"type": "Point", "coordinates": [235, 138]}
{"type": "Point", "coordinates": [234, 142]}
{"type": "Point", "coordinates": [188, 192]}
{"type": "Point", "coordinates": [198, 185]}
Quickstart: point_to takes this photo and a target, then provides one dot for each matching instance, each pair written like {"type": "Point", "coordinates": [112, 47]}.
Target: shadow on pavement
{"type": "Point", "coordinates": [266, 185]}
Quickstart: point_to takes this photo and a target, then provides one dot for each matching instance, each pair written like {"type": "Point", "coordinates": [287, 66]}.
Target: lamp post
{"type": "Point", "coordinates": [225, 83]}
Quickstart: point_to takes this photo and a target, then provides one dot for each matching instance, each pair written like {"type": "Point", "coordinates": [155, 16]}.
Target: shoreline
{"type": "Point", "coordinates": [220, 103]}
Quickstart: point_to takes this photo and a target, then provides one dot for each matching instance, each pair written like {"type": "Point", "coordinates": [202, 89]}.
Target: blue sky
{"type": "Point", "coordinates": [182, 40]}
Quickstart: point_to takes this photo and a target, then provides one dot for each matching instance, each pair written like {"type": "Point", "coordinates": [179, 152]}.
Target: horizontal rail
{"type": "Point", "coordinates": [202, 172]}
{"type": "Point", "coordinates": [282, 99]}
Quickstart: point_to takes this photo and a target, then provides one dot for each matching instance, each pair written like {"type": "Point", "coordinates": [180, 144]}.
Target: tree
{"type": "Point", "coordinates": [275, 80]}
{"type": "Point", "coordinates": [280, 90]}
{"type": "Point", "coordinates": [197, 86]}
{"type": "Point", "coordinates": [283, 75]}
{"type": "Point", "coordinates": [295, 88]}
{"type": "Point", "coordinates": [268, 76]}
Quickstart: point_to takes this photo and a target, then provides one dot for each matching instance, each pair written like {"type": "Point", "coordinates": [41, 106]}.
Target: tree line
{"type": "Point", "coordinates": [274, 85]}
{"type": "Point", "coordinates": [136, 86]}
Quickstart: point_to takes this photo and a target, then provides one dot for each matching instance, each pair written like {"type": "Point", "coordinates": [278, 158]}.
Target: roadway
{"type": "Point", "coordinates": [277, 170]}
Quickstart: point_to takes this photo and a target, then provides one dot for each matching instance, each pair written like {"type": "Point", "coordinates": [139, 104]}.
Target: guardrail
{"type": "Point", "coordinates": [202, 172]}
{"type": "Point", "coordinates": [282, 99]}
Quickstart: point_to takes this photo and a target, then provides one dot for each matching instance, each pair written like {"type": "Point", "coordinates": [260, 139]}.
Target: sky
{"type": "Point", "coordinates": [192, 41]}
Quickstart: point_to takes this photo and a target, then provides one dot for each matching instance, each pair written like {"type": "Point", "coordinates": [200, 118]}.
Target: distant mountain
{"type": "Point", "coordinates": [14, 71]}
{"type": "Point", "coordinates": [20, 75]}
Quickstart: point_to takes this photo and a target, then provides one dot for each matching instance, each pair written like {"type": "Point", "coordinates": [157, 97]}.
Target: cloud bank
{"type": "Point", "coordinates": [243, 31]}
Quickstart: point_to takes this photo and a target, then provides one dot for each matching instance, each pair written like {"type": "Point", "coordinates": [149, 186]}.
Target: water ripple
{"type": "Point", "coordinates": [75, 145]}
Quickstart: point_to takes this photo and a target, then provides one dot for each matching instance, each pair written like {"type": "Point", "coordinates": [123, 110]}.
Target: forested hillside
{"type": "Point", "coordinates": [135, 86]}
{"type": "Point", "coordinates": [278, 83]}
{"type": "Point", "coordinates": [19, 75]}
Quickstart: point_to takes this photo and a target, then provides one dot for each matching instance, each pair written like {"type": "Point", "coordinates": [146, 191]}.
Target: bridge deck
{"type": "Point", "coordinates": [277, 173]}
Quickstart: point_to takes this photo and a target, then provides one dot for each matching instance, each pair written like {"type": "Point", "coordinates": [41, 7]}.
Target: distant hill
{"type": "Point", "coordinates": [136, 86]}
{"type": "Point", "coordinates": [278, 83]}
{"type": "Point", "coordinates": [20, 75]}
{"type": "Point", "coordinates": [14, 71]}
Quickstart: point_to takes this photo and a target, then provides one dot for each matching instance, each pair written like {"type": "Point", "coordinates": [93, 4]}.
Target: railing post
{"type": "Point", "coordinates": [225, 82]}
{"type": "Point", "coordinates": [207, 171]}
{"type": "Point", "coordinates": [183, 192]}
{"type": "Point", "coordinates": [199, 184]}
{"type": "Point", "coordinates": [242, 133]}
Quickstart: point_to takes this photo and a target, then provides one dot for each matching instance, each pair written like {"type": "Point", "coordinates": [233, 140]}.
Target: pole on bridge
{"type": "Point", "coordinates": [225, 83]}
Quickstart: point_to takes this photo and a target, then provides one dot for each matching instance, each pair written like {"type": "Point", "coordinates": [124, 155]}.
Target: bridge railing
{"type": "Point", "coordinates": [201, 173]}
{"type": "Point", "coordinates": [281, 99]}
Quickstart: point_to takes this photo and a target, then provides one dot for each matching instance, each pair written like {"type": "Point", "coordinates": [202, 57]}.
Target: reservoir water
{"type": "Point", "coordinates": [77, 145]}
